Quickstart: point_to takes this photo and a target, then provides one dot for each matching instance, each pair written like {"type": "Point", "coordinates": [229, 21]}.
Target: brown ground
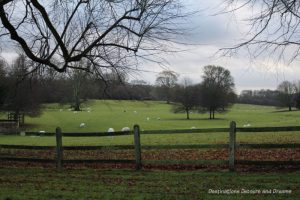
{"type": "Point", "coordinates": [186, 154]}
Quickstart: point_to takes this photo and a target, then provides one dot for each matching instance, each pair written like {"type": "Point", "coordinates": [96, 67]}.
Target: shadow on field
{"type": "Point", "coordinates": [27, 126]}
{"type": "Point", "coordinates": [193, 119]}
{"type": "Point", "coordinates": [284, 111]}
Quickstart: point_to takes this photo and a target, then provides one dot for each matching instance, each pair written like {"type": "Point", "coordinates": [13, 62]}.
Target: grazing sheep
{"type": "Point", "coordinates": [193, 127]}
{"type": "Point", "coordinates": [23, 133]}
{"type": "Point", "coordinates": [88, 111]}
{"type": "Point", "coordinates": [75, 112]}
{"type": "Point", "coordinates": [158, 118]}
{"type": "Point", "coordinates": [135, 112]}
{"type": "Point", "coordinates": [125, 129]}
{"type": "Point", "coordinates": [246, 125]}
{"type": "Point", "coordinates": [111, 130]}
{"type": "Point", "coordinates": [82, 125]}
{"type": "Point", "coordinates": [148, 118]}
{"type": "Point", "coordinates": [60, 110]}
{"type": "Point", "coordinates": [42, 132]}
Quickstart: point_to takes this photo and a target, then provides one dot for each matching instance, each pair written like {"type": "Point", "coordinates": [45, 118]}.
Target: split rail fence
{"type": "Point", "coordinates": [232, 147]}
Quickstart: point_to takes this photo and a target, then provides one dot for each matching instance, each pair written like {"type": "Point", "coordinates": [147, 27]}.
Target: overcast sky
{"type": "Point", "coordinates": [212, 32]}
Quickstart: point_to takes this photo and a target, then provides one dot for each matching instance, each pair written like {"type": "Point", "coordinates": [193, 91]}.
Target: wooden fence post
{"type": "Point", "coordinates": [232, 144]}
{"type": "Point", "coordinates": [59, 150]}
{"type": "Point", "coordinates": [137, 147]}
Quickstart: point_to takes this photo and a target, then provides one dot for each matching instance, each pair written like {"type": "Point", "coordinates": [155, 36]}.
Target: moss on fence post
{"type": "Point", "coordinates": [59, 150]}
{"type": "Point", "coordinates": [137, 147]}
{"type": "Point", "coordinates": [232, 145]}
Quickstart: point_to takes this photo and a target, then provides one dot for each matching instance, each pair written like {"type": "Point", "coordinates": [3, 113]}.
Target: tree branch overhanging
{"type": "Point", "coordinates": [61, 33]}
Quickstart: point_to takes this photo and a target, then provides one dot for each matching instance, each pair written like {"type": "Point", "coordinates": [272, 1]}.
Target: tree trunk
{"type": "Point", "coordinates": [213, 111]}
{"type": "Point", "coordinates": [76, 107]}
{"type": "Point", "coordinates": [290, 108]}
{"type": "Point", "coordinates": [187, 114]}
{"type": "Point", "coordinates": [209, 113]}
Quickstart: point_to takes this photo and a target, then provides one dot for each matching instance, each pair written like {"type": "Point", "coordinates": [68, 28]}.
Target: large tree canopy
{"type": "Point", "coordinates": [216, 89]}
{"type": "Point", "coordinates": [108, 33]}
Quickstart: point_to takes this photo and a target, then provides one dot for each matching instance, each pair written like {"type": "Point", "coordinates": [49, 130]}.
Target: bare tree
{"type": "Point", "coordinates": [287, 92]}
{"type": "Point", "coordinates": [3, 81]}
{"type": "Point", "coordinates": [297, 97]}
{"type": "Point", "coordinates": [216, 90]}
{"type": "Point", "coordinates": [166, 81]}
{"type": "Point", "coordinates": [23, 94]}
{"type": "Point", "coordinates": [185, 98]}
{"type": "Point", "coordinates": [111, 34]}
{"type": "Point", "coordinates": [274, 28]}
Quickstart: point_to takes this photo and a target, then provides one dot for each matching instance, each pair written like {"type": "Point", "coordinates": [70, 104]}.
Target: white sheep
{"type": "Point", "coordinates": [148, 118]}
{"type": "Point", "coordinates": [135, 112]}
{"type": "Point", "coordinates": [111, 130]}
{"type": "Point", "coordinates": [82, 125]}
{"type": "Point", "coordinates": [42, 132]}
{"type": "Point", "coordinates": [125, 129]}
{"type": "Point", "coordinates": [193, 127]}
{"type": "Point", "coordinates": [158, 118]}
{"type": "Point", "coordinates": [246, 125]}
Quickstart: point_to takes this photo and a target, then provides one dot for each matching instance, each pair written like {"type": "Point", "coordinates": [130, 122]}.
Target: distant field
{"type": "Point", "coordinates": [101, 115]}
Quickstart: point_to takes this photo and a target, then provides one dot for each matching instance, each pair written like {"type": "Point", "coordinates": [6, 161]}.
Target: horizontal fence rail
{"type": "Point", "coordinates": [27, 147]}
{"type": "Point", "coordinates": [232, 145]}
{"type": "Point", "coordinates": [175, 131]}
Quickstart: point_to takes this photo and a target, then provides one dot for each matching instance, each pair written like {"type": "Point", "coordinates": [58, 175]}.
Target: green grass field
{"type": "Point", "coordinates": [37, 183]}
{"type": "Point", "coordinates": [126, 184]}
{"type": "Point", "coordinates": [101, 115]}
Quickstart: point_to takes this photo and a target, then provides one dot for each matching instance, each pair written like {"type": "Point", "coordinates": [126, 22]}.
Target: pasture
{"type": "Point", "coordinates": [101, 115]}
{"type": "Point", "coordinates": [77, 182]}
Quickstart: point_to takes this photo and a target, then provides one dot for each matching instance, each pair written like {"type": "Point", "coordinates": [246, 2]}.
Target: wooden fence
{"type": "Point", "coordinates": [9, 126]}
{"type": "Point", "coordinates": [232, 147]}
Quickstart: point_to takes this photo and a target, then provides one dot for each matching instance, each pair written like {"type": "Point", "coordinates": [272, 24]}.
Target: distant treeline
{"type": "Point", "coordinates": [287, 94]}
{"type": "Point", "coordinates": [23, 89]}
{"type": "Point", "coordinates": [259, 97]}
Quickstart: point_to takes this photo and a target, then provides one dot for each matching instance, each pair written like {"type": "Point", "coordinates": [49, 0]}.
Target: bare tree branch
{"type": "Point", "coordinates": [58, 34]}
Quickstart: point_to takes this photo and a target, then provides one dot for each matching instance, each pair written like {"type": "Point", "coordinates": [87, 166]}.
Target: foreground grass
{"type": "Point", "coordinates": [127, 184]}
